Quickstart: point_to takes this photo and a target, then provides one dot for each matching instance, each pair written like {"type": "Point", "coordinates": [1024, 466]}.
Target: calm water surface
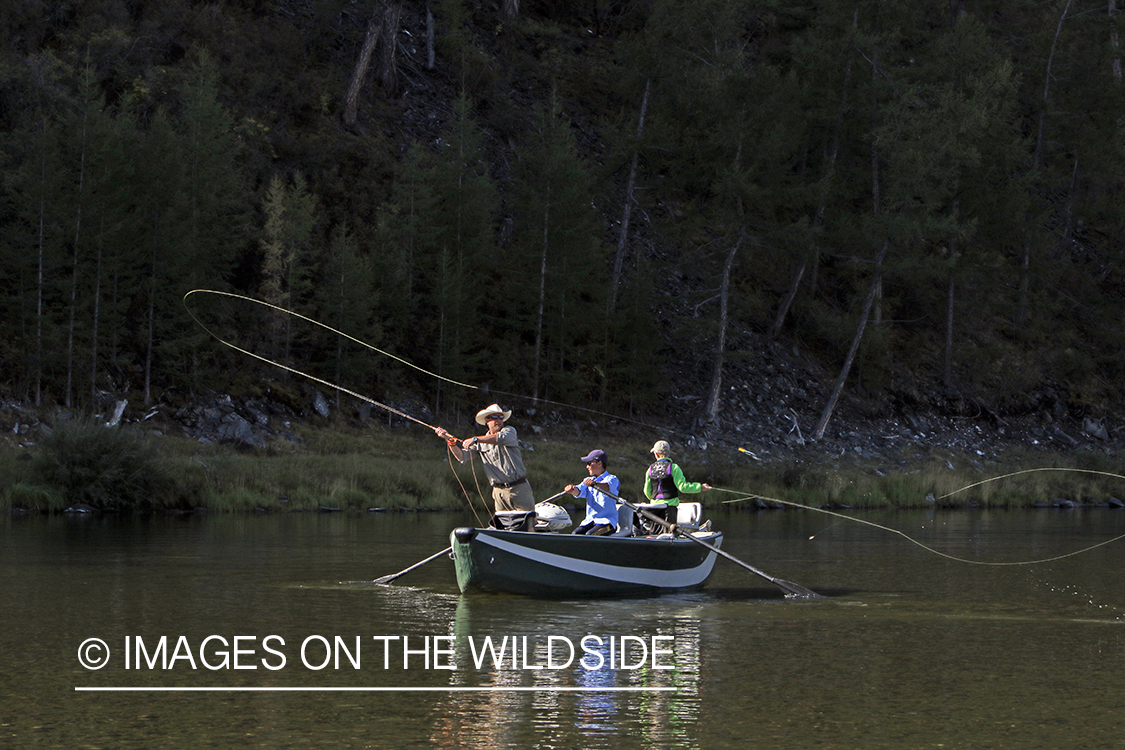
{"type": "Point", "coordinates": [908, 650]}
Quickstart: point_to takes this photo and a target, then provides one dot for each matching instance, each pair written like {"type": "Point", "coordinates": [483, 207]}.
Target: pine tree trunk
{"type": "Point", "coordinates": [838, 388]}
{"type": "Point", "coordinates": [71, 323]}
{"type": "Point", "coordinates": [713, 402]}
{"type": "Point", "coordinates": [351, 99]}
{"type": "Point", "coordinates": [388, 69]}
{"type": "Point", "coordinates": [430, 60]}
{"type": "Point", "coordinates": [877, 309]}
{"type": "Point", "coordinates": [94, 333]}
{"type": "Point", "coordinates": [947, 360]}
{"type": "Point", "coordinates": [1022, 302]}
{"type": "Point", "coordinates": [540, 314]}
{"type": "Point", "coordinates": [151, 330]}
{"type": "Point", "coordinates": [623, 237]}
{"type": "Point", "coordinates": [1068, 216]}
{"type": "Point", "coordinates": [115, 296]}
{"type": "Point", "coordinates": [74, 269]}
{"type": "Point", "coordinates": [1047, 90]}
{"type": "Point", "coordinates": [950, 302]}
{"type": "Point", "coordinates": [790, 295]}
{"type": "Point", "coordinates": [340, 318]}
{"type": "Point", "coordinates": [289, 305]}
{"type": "Point", "coordinates": [40, 281]}
{"type": "Point", "coordinates": [1114, 43]}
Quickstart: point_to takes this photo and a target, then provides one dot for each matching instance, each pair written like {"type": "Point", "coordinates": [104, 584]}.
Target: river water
{"type": "Point", "coordinates": [908, 649]}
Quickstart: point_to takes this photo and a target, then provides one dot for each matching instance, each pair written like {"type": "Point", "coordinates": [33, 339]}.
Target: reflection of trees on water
{"type": "Point", "coordinates": [544, 717]}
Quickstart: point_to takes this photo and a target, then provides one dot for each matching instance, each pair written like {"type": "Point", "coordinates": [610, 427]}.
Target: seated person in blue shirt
{"type": "Point", "coordinates": [601, 510]}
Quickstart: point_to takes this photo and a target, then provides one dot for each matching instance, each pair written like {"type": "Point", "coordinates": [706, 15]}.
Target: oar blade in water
{"type": "Point", "coordinates": [797, 590]}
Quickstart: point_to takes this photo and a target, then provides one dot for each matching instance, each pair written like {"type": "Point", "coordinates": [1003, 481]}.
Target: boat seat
{"type": "Point", "coordinates": [689, 515]}
{"type": "Point", "coordinates": [513, 520]}
{"type": "Point", "coordinates": [624, 521]}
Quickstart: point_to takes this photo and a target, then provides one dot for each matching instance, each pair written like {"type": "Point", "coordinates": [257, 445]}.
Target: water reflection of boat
{"type": "Point", "coordinates": [553, 564]}
{"type": "Point", "coordinates": [579, 705]}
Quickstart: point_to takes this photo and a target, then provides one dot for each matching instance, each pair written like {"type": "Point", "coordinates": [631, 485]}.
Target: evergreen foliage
{"type": "Point", "coordinates": [468, 220]}
{"type": "Point", "coordinates": [549, 278]}
{"type": "Point", "coordinates": [464, 301]}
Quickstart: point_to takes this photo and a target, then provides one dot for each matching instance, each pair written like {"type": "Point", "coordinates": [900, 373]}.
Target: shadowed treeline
{"type": "Point", "coordinates": [585, 202]}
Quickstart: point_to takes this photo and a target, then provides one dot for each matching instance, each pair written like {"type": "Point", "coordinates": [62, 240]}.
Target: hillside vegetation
{"type": "Point", "coordinates": [648, 208]}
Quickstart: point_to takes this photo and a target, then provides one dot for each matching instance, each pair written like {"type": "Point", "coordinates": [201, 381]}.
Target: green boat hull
{"type": "Point", "coordinates": [563, 565]}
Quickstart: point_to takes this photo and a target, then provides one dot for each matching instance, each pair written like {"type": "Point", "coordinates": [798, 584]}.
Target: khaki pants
{"type": "Point", "coordinates": [514, 499]}
{"type": "Point", "coordinates": [519, 497]}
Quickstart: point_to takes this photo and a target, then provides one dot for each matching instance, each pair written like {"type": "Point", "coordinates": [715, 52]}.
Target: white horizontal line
{"type": "Point", "coordinates": [375, 689]}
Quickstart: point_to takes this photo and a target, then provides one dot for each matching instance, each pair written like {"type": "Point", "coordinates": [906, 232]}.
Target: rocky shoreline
{"type": "Point", "coordinates": [771, 422]}
{"type": "Point", "coordinates": [770, 431]}
{"type": "Point", "coordinates": [772, 398]}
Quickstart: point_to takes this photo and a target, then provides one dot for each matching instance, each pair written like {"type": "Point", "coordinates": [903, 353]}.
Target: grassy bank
{"type": "Point", "coordinates": [1023, 480]}
{"type": "Point", "coordinates": [354, 469]}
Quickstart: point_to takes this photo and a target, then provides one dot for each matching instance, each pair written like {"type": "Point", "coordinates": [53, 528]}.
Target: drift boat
{"type": "Point", "coordinates": [548, 564]}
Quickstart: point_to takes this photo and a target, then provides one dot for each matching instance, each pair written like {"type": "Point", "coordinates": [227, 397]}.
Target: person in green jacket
{"type": "Point", "coordinates": [664, 483]}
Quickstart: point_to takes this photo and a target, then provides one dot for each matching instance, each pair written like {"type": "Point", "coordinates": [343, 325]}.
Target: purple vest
{"type": "Point", "coordinates": [663, 486]}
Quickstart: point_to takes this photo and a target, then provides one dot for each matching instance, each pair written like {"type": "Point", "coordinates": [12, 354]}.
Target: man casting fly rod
{"type": "Point", "coordinates": [499, 451]}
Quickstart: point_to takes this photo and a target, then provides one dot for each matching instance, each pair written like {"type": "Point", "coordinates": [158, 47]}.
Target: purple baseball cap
{"type": "Point", "coordinates": [595, 455]}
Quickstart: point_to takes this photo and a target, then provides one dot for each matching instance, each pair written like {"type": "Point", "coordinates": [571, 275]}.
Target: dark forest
{"type": "Point", "coordinates": [610, 204]}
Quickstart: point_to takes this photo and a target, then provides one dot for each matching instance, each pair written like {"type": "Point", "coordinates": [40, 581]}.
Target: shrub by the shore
{"type": "Point", "coordinates": [83, 462]}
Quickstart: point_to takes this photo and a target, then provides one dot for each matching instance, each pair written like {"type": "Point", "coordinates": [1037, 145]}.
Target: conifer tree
{"type": "Point", "coordinates": [554, 272]}
{"type": "Point", "coordinates": [344, 298]}
{"type": "Point", "coordinates": [286, 265]}
{"type": "Point", "coordinates": [408, 250]}
{"type": "Point", "coordinates": [157, 193]}
{"type": "Point", "coordinates": [33, 254]}
{"type": "Point", "coordinates": [275, 254]}
{"type": "Point", "coordinates": [824, 61]}
{"type": "Point", "coordinates": [726, 129]}
{"type": "Point", "coordinates": [189, 197]}
{"type": "Point", "coordinates": [100, 162]}
{"type": "Point", "coordinates": [212, 207]}
{"type": "Point", "coordinates": [464, 223]}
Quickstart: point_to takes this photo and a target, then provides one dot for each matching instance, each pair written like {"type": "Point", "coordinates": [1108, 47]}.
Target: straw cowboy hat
{"type": "Point", "coordinates": [493, 409]}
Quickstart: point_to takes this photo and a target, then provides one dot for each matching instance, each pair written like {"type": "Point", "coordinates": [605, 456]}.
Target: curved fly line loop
{"type": "Point", "coordinates": [327, 383]}
{"type": "Point", "coordinates": [946, 555]}
{"type": "Point", "coordinates": [294, 370]}
{"type": "Point", "coordinates": [377, 350]}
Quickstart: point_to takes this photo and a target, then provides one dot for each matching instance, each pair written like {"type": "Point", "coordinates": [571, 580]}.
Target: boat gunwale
{"type": "Point", "coordinates": [580, 538]}
{"type": "Point", "coordinates": [589, 565]}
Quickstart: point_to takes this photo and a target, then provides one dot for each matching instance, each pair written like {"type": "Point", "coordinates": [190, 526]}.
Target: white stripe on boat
{"type": "Point", "coordinates": [640, 576]}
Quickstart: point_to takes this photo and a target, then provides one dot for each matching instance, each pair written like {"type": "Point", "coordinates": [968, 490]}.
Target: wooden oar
{"type": "Point", "coordinates": [790, 588]}
{"type": "Point", "coordinates": [393, 576]}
